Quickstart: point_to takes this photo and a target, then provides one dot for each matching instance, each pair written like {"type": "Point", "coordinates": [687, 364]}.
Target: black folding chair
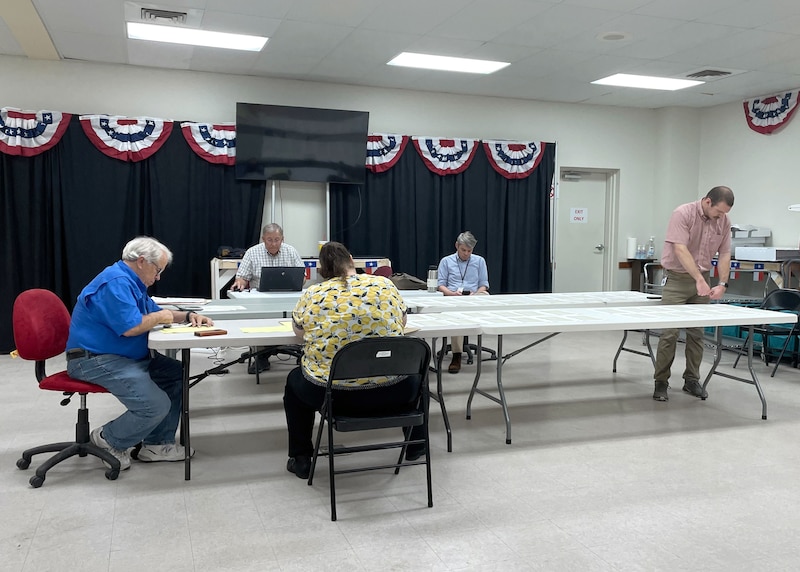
{"type": "Point", "coordinates": [374, 357]}
{"type": "Point", "coordinates": [780, 300]}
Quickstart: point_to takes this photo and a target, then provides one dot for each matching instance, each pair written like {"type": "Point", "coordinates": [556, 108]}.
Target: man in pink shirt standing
{"type": "Point", "coordinates": [696, 232]}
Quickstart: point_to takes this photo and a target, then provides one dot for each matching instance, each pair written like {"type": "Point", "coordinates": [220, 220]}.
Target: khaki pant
{"type": "Point", "coordinates": [457, 344]}
{"type": "Point", "coordinates": [680, 289]}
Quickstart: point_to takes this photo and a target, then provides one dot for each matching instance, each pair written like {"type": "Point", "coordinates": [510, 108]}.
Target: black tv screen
{"type": "Point", "coordinates": [284, 143]}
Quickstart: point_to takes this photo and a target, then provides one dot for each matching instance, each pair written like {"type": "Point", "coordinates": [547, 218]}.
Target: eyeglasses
{"type": "Point", "coordinates": [273, 240]}
{"type": "Point", "coordinates": [159, 270]}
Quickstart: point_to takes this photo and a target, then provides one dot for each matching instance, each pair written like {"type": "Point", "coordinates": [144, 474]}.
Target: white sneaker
{"type": "Point", "coordinates": [124, 457]}
{"type": "Point", "coordinates": [166, 452]}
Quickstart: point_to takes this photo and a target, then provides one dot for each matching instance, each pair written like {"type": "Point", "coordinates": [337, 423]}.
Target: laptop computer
{"type": "Point", "coordinates": [281, 279]}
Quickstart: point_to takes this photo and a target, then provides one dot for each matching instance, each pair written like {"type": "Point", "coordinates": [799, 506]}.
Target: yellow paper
{"type": "Point", "coordinates": [284, 327]}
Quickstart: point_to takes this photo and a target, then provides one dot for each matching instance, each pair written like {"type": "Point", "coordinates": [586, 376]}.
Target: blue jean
{"type": "Point", "coordinates": [149, 388]}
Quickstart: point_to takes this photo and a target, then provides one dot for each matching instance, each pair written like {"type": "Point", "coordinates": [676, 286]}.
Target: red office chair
{"type": "Point", "coordinates": [384, 271]}
{"type": "Point", "coordinates": [41, 326]}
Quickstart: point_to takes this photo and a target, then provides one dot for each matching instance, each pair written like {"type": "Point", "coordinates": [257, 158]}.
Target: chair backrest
{"type": "Point", "coordinates": [384, 271]}
{"type": "Point", "coordinates": [41, 324]}
{"type": "Point", "coordinates": [379, 356]}
{"type": "Point", "coordinates": [782, 299]}
{"type": "Point", "coordinates": [653, 272]}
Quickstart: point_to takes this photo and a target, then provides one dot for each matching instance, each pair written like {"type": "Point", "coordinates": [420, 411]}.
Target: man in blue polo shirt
{"type": "Point", "coordinates": [460, 274]}
{"type": "Point", "coordinates": [107, 346]}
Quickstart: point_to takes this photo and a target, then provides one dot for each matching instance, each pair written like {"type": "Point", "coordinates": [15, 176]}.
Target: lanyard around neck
{"type": "Point", "coordinates": [458, 263]}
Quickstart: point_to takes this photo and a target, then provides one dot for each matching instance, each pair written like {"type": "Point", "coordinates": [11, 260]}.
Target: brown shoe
{"type": "Point", "coordinates": [455, 364]}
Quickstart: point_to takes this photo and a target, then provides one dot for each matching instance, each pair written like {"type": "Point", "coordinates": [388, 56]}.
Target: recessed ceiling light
{"type": "Point", "coordinates": [446, 63]}
{"type": "Point", "coordinates": [647, 82]}
{"type": "Point", "coordinates": [195, 37]}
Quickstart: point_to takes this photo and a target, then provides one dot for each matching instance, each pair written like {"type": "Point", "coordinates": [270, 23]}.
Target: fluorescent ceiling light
{"type": "Point", "coordinates": [647, 82]}
{"type": "Point", "coordinates": [445, 63]}
{"type": "Point", "coordinates": [195, 37]}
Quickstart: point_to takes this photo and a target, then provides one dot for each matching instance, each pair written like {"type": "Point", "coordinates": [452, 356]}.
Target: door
{"type": "Point", "coordinates": [581, 252]}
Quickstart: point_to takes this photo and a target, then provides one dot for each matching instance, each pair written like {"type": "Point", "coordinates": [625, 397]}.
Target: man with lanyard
{"type": "Point", "coordinates": [461, 274]}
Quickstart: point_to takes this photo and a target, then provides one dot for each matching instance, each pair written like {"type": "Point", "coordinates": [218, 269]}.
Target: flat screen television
{"type": "Point", "coordinates": [285, 143]}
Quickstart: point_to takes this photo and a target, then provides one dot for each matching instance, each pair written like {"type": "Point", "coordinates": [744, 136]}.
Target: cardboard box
{"type": "Point", "coordinates": [766, 253]}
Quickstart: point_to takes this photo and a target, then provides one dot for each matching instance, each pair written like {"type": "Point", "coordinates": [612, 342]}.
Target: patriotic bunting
{"type": "Point", "coordinates": [766, 114]}
{"type": "Point", "coordinates": [214, 143]}
{"type": "Point", "coordinates": [514, 159]}
{"type": "Point", "coordinates": [446, 156]}
{"type": "Point", "coordinates": [384, 150]}
{"type": "Point", "coordinates": [126, 139]}
{"type": "Point", "coordinates": [29, 133]}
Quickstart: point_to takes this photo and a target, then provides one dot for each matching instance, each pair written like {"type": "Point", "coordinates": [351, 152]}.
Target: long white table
{"type": "Point", "coordinates": [287, 300]}
{"type": "Point", "coordinates": [430, 326]}
{"type": "Point", "coordinates": [223, 270]}
{"type": "Point", "coordinates": [548, 321]}
{"type": "Point", "coordinates": [532, 301]}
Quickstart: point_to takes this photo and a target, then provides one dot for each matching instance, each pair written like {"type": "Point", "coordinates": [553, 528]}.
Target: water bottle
{"type": "Point", "coordinates": [433, 279]}
{"type": "Point", "coordinates": [651, 247]}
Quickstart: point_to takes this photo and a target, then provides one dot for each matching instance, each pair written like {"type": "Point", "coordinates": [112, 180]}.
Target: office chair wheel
{"type": "Point", "coordinates": [112, 474]}
{"type": "Point", "coordinates": [23, 463]}
{"type": "Point", "coordinates": [36, 481]}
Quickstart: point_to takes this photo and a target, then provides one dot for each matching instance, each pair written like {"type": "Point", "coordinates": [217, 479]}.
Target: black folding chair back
{"type": "Point", "coordinates": [780, 300]}
{"type": "Point", "coordinates": [376, 357]}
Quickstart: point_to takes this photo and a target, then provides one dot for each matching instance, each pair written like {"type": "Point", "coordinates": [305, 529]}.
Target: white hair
{"type": "Point", "coordinates": [148, 248]}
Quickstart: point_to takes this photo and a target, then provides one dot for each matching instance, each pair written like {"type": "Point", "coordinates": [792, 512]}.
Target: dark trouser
{"type": "Point", "coordinates": [302, 399]}
{"type": "Point", "coordinates": [680, 289]}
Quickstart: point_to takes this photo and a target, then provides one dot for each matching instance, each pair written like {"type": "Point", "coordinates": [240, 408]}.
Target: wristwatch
{"type": "Point", "coordinates": [724, 284]}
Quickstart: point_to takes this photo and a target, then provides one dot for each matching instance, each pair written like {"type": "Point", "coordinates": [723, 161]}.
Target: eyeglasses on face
{"type": "Point", "coordinates": [159, 270]}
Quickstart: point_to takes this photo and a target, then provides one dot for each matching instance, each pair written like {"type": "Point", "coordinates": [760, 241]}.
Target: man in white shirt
{"type": "Point", "coordinates": [271, 251]}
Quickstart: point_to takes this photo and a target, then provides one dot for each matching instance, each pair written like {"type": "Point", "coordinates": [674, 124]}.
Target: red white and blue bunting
{"type": "Point", "coordinates": [446, 156]}
{"type": "Point", "coordinates": [384, 150]}
{"type": "Point", "coordinates": [127, 139]}
{"type": "Point", "coordinates": [29, 133]}
{"type": "Point", "coordinates": [214, 143]}
{"type": "Point", "coordinates": [514, 159]}
{"type": "Point", "coordinates": [767, 114]}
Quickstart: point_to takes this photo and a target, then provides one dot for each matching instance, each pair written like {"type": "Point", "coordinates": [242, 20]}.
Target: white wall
{"type": "Point", "coordinates": [761, 170]}
{"type": "Point", "coordinates": [664, 157]}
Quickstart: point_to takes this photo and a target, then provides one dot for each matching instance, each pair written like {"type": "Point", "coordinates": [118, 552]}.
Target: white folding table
{"type": "Point", "coordinates": [547, 321]}
{"type": "Point", "coordinates": [420, 326]}
{"type": "Point", "coordinates": [532, 301]}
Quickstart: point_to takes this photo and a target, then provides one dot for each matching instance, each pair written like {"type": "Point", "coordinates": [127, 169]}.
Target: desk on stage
{"type": "Point", "coordinates": [223, 270]}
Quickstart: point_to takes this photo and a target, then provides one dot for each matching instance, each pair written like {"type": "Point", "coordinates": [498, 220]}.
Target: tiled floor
{"type": "Point", "coordinates": [598, 477]}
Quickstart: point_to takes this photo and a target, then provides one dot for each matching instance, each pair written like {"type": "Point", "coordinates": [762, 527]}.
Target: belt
{"type": "Point", "coordinates": [79, 353]}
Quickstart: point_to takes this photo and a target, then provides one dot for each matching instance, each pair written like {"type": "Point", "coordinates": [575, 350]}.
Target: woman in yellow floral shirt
{"type": "Point", "coordinates": [344, 308]}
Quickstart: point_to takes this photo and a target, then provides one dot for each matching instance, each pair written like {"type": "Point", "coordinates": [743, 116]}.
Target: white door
{"type": "Point", "coordinates": [580, 248]}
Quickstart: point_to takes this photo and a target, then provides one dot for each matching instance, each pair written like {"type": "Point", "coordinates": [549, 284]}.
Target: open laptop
{"type": "Point", "coordinates": [281, 279]}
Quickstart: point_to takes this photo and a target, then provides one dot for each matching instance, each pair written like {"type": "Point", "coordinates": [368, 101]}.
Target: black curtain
{"type": "Point", "coordinates": [413, 216]}
{"type": "Point", "coordinates": [68, 212]}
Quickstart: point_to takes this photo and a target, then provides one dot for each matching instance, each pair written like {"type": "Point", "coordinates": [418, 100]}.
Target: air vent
{"type": "Point", "coordinates": [705, 74]}
{"type": "Point", "coordinates": [710, 74]}
{"type": "Point", "coordinates": [156, 16]}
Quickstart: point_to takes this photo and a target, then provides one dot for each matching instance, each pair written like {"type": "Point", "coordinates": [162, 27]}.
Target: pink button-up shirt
{"type": "Point", "coordinates": [702, 236]}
